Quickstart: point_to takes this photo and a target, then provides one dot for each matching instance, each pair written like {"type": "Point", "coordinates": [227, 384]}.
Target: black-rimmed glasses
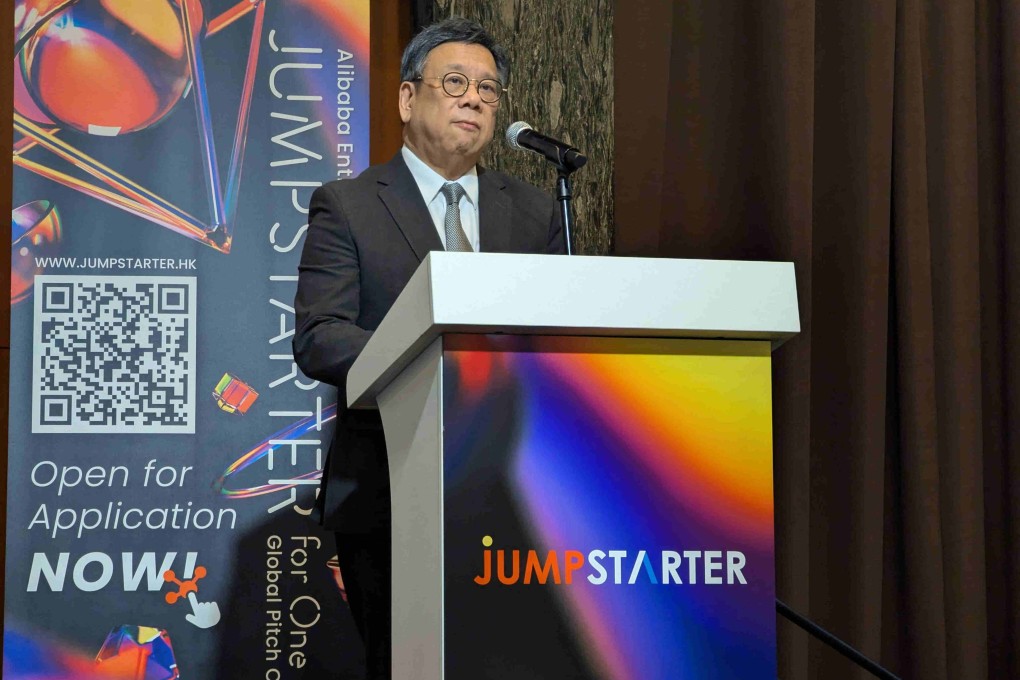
{"type": "Point", "coordinates": [457, 84]}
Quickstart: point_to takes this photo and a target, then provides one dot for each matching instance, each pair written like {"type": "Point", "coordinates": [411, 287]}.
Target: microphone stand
{"type": "Point", "coordinates": [564, 193]}
{"type": "Point", "coordinates": [834, 642]}
{"type": "Point", "coordinates": [565, 158]}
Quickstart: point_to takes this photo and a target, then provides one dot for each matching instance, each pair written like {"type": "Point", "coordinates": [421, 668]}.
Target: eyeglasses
{"type": "Point", "coordinates": [457, 84]}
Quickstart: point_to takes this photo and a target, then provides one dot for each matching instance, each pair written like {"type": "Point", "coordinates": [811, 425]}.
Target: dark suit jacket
{"type": "Point", "coordinates": [365, 239]}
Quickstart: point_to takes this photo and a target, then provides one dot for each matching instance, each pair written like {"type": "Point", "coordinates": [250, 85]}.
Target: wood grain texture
{"type": "Point", "coordinates": [390, 30]}
{"type": "Point", "coordinates": [6, 197]}
{"type": "Point", "coordinates": [561, 83]}
{"type": "Point", "coordinates": [6, 175]}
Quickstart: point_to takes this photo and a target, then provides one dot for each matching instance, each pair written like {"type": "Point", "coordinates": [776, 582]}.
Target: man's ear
{"type": "Point", "coordinates": [405, 101]}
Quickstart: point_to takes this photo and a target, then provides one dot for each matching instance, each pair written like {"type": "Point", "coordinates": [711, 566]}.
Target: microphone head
{"type": "Point", "coordinates": [513, 131]}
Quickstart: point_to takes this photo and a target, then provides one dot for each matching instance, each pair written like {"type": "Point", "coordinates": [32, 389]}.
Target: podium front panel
{"type": "Point", "coordinates": [608, 508]}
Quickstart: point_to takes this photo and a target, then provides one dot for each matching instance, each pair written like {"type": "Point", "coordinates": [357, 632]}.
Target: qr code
{"type": "Point", "coordinates": [114, 354]}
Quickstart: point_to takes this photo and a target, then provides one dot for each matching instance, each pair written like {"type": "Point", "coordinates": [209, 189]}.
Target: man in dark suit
{"type": "Point", "coordinates": [366, 238]}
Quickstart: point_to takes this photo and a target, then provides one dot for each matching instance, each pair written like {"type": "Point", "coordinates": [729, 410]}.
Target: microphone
{"type": "Point", "coordinates": [522, 137]}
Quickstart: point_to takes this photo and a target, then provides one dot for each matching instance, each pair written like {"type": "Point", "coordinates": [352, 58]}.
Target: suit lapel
{"type": "Point", "coordinates": [495, 210]}
{"type": "Point", "coordinates": [399, 193]}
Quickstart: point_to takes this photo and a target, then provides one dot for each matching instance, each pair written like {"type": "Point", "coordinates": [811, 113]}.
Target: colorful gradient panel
{"type": "Point", "coordinates": [556, 444]}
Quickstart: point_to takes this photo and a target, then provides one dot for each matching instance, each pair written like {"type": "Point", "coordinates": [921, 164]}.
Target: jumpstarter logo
{"type": "Point", "coordinates": [610, 567]}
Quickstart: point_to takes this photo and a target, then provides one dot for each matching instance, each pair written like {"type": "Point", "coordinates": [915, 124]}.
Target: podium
{"type": "Point", "coordinates": [580, 455]}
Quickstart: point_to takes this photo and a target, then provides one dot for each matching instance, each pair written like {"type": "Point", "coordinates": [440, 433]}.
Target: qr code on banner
{"type": "Point", "coordinates": [114, 354]}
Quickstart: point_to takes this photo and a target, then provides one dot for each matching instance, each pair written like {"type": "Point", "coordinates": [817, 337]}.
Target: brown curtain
{"type": "Point", "coordinates": [877, 146]}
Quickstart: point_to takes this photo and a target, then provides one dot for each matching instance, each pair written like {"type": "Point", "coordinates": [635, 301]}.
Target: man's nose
{"type": "Point", "coordinates": [471, 97]}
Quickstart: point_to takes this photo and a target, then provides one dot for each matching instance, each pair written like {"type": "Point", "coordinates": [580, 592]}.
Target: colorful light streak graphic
{"type": "Point", "coordinates": [128, 653]}
{"type": "Point", "coordinates": [646, 445]}
{"type": "Point", "coordinates": [39, 657]}
{"type": "Point", "coordinates": [267, 446]}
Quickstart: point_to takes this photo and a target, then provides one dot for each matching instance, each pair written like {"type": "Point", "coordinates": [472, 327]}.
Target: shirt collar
{"type": "Point", "coordinates": [430, 182]}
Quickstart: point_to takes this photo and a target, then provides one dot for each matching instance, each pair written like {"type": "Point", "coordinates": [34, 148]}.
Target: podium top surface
{"type": "Point", "coordinates": [579, 295]}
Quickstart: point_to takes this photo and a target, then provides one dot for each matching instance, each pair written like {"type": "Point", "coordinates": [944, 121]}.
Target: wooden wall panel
{"type": "Point", "coordinates": [6, 194]}
{"type": "Point", "coordinates": [390, 30]}
{"type": "Point", "coordinates": [6, 120]}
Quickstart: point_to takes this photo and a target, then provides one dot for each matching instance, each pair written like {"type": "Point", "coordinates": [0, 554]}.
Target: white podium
{"type": "Point", "coordinates": [501, 379]}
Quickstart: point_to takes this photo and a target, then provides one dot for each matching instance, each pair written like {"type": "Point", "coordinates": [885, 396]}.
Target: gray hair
{"type": "Point", "coordinates": [454, 29]}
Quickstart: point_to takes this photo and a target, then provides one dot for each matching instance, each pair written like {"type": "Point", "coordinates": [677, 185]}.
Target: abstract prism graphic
{"type": "Point", "coordinates": [138, 653]}
{"type": "Point", "coordinates": [234, 395]}
{"type": "Point", "coordinates": [109, 68]}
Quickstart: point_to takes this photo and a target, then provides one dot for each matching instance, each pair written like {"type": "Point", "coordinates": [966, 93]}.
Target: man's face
{"type": "Point", "coordinates": [449, 133]}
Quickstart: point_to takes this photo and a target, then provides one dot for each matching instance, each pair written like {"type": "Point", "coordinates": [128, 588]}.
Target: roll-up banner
{"type": "Point", "coordinates": [164, 449]}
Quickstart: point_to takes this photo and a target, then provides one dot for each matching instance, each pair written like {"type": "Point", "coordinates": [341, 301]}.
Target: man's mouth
{"type": "Point", "coordinates": [467, 125]}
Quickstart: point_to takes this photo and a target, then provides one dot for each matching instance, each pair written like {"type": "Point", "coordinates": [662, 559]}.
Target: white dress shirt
{"type": "Point", "coordinates": [429, 184]}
